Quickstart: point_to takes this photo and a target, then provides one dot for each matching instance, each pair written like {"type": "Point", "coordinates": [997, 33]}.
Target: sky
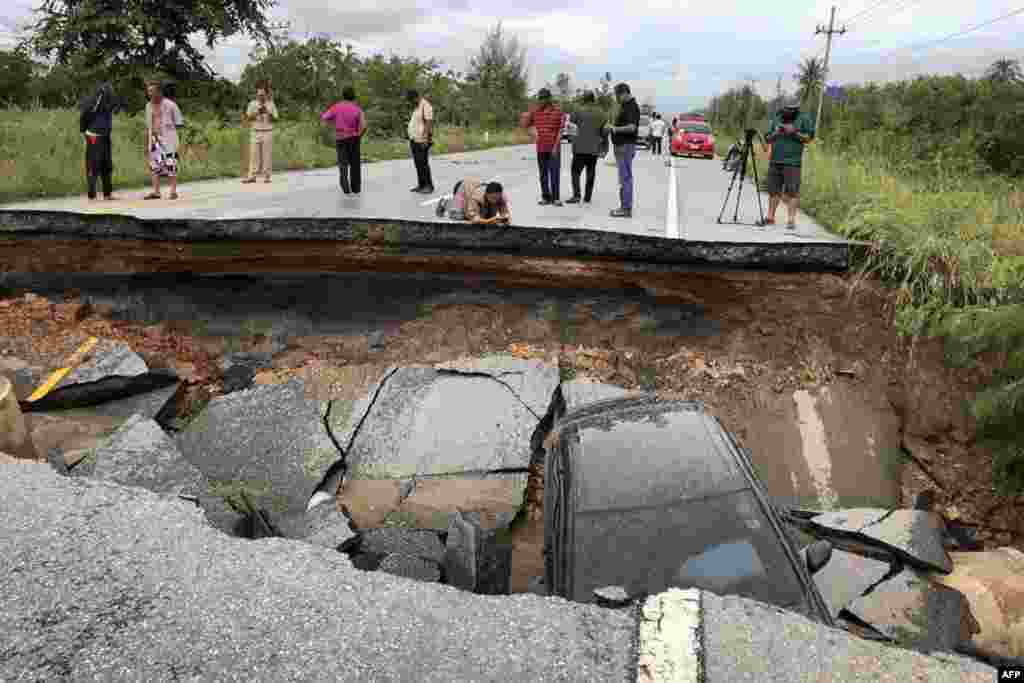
{"type": "Point", "coordinates": [676, 54]}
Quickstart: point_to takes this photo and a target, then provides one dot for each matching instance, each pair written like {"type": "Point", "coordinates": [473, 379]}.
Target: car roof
{"type": "Point", "coordinates": [685, 453]}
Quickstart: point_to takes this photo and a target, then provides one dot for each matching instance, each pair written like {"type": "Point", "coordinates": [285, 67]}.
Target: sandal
{"type": "Point", "coordinates": [152, 195]}
{"type": "Point", "coordinates": [173, 195]}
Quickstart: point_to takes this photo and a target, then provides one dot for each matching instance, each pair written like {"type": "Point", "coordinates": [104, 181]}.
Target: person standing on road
{"type": "Point", "coordinates": [590, 143]}
{"type": "Point", "coordinates": [421, 139]}
{"type": "Point", "coordinates": [262, 113]}
{"type": "Point", "coordinates": [624, 135]}
{"type": "Point", "coordinates": [657, 133]}
{"type": "Point", "coordinates": [788, 132]}
{"type": "Point", "coordinates": [96, 122]}
{"type": "Point", "coordinates": [163, 119]}
{"type": "Point", "coordinates": [349, 129]}
{"type": "Point", "coordinates": [548, 119]}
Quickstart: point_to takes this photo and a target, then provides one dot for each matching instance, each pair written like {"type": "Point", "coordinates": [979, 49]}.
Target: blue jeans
{"type": "Point", "coordinates": [550, 166]}
{"type": "Point", "coordinates": [624, 161]}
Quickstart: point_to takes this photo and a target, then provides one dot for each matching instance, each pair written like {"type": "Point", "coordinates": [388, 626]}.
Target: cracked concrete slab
{"type": "Point", "coordinates": [140, 453]}
{"type": "Point", "coordinates": [107, 582]}
{"type": "Point", "coordinates": [533, 381]}
{"type": "Point", "coordinates": [269, 441]}
{"type": "Point", "coordinates": [846, 577]}
{"type": "Point", "coordinates": [427, 422]}
{"type": "Point", "coordinates": [917, 613]}
{"type": "Point", "coordinates": [106, 358]}
{"type": "Point", "coordinates": [415, 542]}
{"type": "Point", "coordinates": [915, 536]}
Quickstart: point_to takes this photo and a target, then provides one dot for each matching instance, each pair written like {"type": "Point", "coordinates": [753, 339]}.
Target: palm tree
{"type": "Point", "coordinates": [810, 78]}
{"type": "Point", "coordinates": [1005, 71]}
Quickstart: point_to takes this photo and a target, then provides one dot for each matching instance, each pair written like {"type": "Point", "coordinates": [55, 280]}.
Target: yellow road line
{"type": "Point", "coordinates": [58, 375]}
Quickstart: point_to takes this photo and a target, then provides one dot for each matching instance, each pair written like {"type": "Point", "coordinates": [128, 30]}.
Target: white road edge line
{"type": "Point", "coordinates": [669, 647]}
{"type": "Point", "coordinates": [672, 212]}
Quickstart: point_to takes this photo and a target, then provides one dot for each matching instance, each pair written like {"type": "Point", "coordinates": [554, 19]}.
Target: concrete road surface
{"type": "Point", "coordinates": [674, 198]}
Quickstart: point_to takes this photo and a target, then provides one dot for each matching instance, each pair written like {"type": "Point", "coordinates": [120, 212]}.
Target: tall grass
{"type": "Point", "coordinates": [42, 152]}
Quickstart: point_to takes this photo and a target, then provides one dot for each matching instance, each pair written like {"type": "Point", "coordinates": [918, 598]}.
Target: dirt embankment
{"type": "Point", "coordinates": [781, 343]}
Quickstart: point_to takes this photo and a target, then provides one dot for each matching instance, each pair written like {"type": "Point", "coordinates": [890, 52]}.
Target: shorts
{"type": "Point", "coordinates": [783, 180]}
{"type": "Point", "coordinates": [170, 166]}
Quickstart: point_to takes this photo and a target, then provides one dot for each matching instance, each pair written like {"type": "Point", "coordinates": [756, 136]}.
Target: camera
{"type": "Point", "coordinates": [789, 115]}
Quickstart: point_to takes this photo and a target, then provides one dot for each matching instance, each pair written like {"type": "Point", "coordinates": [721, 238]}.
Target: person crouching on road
{"type": "Point", "coordinates": [163, 119]}
{"type": "Point", "coordinates": [349, 129]}
{"type": "Point", "coordinates": [262, 113]}
{"type": "Point", "coordinates": [96, 122]}
{"type": "Point", "coordinates": [549, 121]}
{"type": "Point", "coordinates": [788, 132]}
{"type": "Point", "coordinates": [478, 203]}
{"type": "Point", "coordinates": [589, 144]}
{"type": "Point", "coordinates": [624, 136]}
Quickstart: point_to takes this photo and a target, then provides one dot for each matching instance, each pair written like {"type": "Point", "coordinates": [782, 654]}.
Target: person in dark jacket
{"type": "Point", "coordinates": [96, 120]}
{"type": "Point", "coordinates": [590, 143]}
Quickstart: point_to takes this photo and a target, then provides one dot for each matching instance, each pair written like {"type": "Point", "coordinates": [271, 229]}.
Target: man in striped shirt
{"type": "Point", "coordinates": [548, 119]}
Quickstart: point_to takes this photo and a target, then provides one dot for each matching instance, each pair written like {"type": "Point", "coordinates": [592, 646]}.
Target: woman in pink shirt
{"type": "Point", "coordinates": [349, 129]}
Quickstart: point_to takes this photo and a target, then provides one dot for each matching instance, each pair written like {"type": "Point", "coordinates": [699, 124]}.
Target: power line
{"type": "Point", "coordinates": [867, 10]}
{"type": "Point", "coordinates": [892, 11]}
{"type": "Point", "coordinates": [931, 43]}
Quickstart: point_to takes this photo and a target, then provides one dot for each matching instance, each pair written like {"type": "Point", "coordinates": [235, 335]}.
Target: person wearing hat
{"type": "Point", "coordinates": [96, 120]}
{"type": "Point", "coordinates": [789, 130]}
{"type": "Point", "coordinates": [549, 120]}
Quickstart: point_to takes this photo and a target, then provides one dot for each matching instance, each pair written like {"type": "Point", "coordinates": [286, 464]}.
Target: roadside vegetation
{"type": "Point", "coordinates": [931, 173]}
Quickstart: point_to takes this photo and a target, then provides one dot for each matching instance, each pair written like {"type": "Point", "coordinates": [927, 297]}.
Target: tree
{"type": "Point", "coordinates": [563, 86]}
{"type": "Point", "coordinates": [810, 78]}
{"type": "Point", "coordinates": [305, 76]}
{"type": "Point", "coordinates": [1005, 71]}
{"type": "Point", "coordinates": [497, 78]}
{"type": "Point", "coordinates": [125, 38]}
{"type": "Point", "coordinates": [16, 72]}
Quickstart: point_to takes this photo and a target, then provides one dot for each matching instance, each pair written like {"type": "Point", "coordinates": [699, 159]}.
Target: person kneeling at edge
{"type": "Point", "coordinates": [476, 202]}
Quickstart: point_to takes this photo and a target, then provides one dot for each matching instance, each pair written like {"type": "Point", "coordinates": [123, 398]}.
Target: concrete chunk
{"type": "Point", "coordinates": [411, 567]}
{"type": "Point", "coordinates": [139, 453]}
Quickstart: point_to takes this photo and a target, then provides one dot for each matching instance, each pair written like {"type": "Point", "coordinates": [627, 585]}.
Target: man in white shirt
{"type": "Point", "coordinates": [421, 138]}
{"type": "Point", "coordinates": [262, 113]}
{"type": "Point", "coordinates": [163, 119]}
{"type": "Point", "coordinates": [657, 133]}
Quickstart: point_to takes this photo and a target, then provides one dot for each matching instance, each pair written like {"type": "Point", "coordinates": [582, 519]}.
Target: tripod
{"type": "Point", "coordinates": [741, 172]}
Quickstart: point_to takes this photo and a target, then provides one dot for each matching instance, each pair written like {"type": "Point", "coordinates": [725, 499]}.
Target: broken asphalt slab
{"type": "Point", "coordinates": [914, 536]}
{"type": "Point", "coordinates": [917, 613]}
{"type": "Point", "coordinates": [141, 454]}
{"type": "Point", "coordinates": [471, 418]}
{"type": "Point", "coordinates": [846, 577]}
{"type": "Point", "coordinates": [269, 441]}
{"type": "Point", "coordinates": [737, 635]}
{"type": "Point", "coordinates": [110, 582]}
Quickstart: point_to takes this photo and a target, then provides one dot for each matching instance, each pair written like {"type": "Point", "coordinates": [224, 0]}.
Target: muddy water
{"type": "Point", "coordinates": [815, 443]}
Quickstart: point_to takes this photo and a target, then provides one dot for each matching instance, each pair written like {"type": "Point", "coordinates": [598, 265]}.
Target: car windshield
{"type": "Point", "coordinates": [696, 128]}
{"type": "Point", "coordinates": [724, 544]}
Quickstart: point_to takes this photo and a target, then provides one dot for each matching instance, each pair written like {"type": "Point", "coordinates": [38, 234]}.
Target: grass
{"type": "Point", "coordinates": [42, 152]}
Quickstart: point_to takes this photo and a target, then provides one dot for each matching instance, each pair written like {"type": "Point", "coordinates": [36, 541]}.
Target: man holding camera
{"type": "Point", "coordinates": [788, 132]}
{"type": "Point", "coordinates": [261, 113]}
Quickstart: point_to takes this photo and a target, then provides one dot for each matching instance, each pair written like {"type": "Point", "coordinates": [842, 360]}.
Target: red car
{"type": "Point", "coordinates": [693, 138]}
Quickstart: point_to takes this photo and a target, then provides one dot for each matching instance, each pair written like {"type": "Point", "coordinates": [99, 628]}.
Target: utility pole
{"type": "Point", "coordinates": [828, 51]}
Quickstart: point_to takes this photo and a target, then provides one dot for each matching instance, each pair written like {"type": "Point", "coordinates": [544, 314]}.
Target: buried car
{"type": "Point", "coordinates": [648, 494]}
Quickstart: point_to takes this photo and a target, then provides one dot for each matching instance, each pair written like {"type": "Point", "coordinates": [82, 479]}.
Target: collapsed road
{"type": "Point", "coordinates": [409, 380]}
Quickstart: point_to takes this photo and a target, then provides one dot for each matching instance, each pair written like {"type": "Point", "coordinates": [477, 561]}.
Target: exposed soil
{"type": "Point", "coordinates": [772, 335]}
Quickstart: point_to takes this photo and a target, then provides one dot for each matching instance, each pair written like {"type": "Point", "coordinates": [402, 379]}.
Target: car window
{"type": "Point", "coordinates": [696, 128]}
{"type": "Point", "coordinates": [725, 544]}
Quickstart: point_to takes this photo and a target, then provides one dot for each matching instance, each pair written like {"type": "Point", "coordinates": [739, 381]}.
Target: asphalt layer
{"type": "Point", "coordinates": [700, 189]}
